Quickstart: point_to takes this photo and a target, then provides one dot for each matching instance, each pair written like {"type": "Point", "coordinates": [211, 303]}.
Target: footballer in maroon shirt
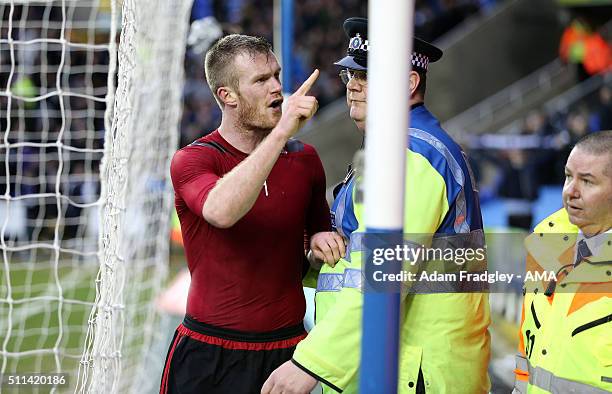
{"type": "Point", "coordinates": [246, 195]}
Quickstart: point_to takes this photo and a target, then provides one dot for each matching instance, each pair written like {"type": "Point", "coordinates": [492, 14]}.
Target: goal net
{"type": "Point", "coordinates": [90, 95]}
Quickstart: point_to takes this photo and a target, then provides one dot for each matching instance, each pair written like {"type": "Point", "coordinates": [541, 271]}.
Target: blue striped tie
{"type": "Point", "coordinates": [583, 252]}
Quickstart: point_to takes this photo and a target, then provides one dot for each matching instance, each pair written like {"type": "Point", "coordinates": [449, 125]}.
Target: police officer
{"type": "Point", "coordinates": [444, 344]}
{"type": "Point", "coordinates": [566, 332]}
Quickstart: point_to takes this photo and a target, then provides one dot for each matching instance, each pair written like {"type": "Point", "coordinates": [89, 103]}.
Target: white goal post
{"type": "Point", "coordinates": [90, 102]}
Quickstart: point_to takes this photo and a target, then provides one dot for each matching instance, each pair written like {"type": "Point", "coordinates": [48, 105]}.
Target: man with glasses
{"type": "Point", "coordinates": [444, 344]}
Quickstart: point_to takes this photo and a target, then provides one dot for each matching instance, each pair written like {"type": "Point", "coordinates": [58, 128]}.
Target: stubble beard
{"type": "Point", "coordinates": [251, 119]}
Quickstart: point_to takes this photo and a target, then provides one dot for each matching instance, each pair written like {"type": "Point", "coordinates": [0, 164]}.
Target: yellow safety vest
{"type": "Point", "coordinates": [445, 335]}
{"type": "Point", "coordinates": [565, 340]}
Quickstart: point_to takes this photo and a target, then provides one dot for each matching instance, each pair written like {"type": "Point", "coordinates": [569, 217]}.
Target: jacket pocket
{"type": "Point", "coordinates": [592, 324]}
{"type": "Point", "coordinates": [602, 346]}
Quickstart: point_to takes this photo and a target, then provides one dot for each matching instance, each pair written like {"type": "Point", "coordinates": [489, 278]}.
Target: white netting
{"type": "Point", "coordinates": [83, 212]}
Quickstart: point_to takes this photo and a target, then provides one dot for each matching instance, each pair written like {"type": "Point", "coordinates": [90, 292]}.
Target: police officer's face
{"type": "Point", "coordinates": [356, 98]}
{"type": "Point", "coordinates": [587, 193]}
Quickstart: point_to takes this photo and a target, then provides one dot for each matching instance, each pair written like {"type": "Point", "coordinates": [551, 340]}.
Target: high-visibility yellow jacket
{"type": "Point", "coordinates": [565, 338]}
{"type": "Point", "coordinates": [444, 335]}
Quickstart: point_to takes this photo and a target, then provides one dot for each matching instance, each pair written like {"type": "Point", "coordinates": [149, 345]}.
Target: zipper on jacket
{"type": "Point", "coordinates": [594, 323]}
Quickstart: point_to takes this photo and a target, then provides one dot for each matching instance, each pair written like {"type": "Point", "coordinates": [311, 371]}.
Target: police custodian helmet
{"type": "Point", "coordinates": [357, 56]}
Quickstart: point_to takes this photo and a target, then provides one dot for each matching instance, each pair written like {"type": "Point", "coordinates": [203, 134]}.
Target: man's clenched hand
{"type": "Point", "coordinates": [328, 246]}
{"type": "Point", "coordinates": [288, 379]}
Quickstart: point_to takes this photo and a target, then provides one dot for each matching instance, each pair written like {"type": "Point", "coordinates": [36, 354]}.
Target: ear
{"type": "Point", "coordinates": [415, 80]}
{"type": "Point", "coordinates": [227, 96]}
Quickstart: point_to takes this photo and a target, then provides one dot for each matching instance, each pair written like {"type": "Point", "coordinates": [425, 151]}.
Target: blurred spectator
{"type": "Point", "coordinates": [80, 189]}
{"type": "Point", "coordinates": [576, 126]}
{"type": "Point", "coordinates": [583, 46]}
{"type": "Point", "coordinates": [521, 171]}
{"type": "Point", "coordinates": [201, 9]}
{"type": "Point", "coordinates": [32, 71]}
{"type": "Point", "coordinates": [513, 167]}
{"type": "Point", "coordinates": [544, 158]}
{"type": "Point", "coordinates": [603, 109]}
{"type": "Point", "coordinates": [230, 10]}
{"type": "Point", "coordinates": [434, 18]}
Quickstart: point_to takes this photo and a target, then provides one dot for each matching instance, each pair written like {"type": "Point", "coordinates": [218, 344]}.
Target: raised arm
{"type": "Point", "coordinates": [234, 194]}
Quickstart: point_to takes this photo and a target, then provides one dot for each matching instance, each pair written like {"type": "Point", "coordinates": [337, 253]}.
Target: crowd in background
{"type": "Point", "coordinates": [319, 40]}
{"type": "Point", "coordinates": [544, 139]}
{"type": "Point", "coordinates": [539, 151]}
{"type": "Point", "coordinates": [39, 118]}
{"type": "Point", "coordinates": [31, 70]}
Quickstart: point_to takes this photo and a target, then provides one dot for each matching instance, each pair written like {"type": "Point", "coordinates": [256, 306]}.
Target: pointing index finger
{"type": "Point", "coordinates": [303, 90]}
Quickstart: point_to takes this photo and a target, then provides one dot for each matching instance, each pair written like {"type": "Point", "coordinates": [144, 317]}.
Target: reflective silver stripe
{"type": "Point", "coordinates": [520, 386]}
{"type": "Point", "coordinates": [352, 278]}
{"type": "Point", "coordinates": [330, 282]}
{"type": "Point", "coordinates": [461, 225]}
{"type": "Point", "coordinates": [545, 380]}
{"type": "Point", "coordinates": [443, 149]}
{"type": "Point", "coordinates": [355, 245]}
{"type": "Point", "coordinates": [521, 363]}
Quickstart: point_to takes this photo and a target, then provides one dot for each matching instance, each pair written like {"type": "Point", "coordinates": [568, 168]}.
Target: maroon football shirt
{"type": "Point", "coordinates": [248, 277]}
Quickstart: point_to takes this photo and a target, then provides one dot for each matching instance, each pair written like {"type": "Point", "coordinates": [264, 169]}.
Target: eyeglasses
{"type": "Point", "coordinates": [360, 76]}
